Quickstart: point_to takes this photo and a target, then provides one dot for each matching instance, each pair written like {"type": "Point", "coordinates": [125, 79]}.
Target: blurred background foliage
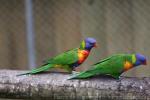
{"type": "Point", "coordinates": [119, 26]}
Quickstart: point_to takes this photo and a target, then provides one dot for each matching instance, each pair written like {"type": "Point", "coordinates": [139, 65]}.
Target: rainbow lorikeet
{"type": "Point", "coordinates": [113, 66]}
{"type": "Point", "coordinates": [68, 60]}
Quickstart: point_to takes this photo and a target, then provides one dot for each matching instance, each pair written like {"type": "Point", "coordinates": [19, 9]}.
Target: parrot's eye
{"type": "Point", "coordinates": [91, 43]}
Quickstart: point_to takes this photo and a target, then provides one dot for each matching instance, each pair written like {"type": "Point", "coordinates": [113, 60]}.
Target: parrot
{"type": "Point", "coordinates": [113, 66]}
{"type": "Point", "coordinates": [68, 60]}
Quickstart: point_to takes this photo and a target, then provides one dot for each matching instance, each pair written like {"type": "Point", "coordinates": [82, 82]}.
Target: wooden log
{"type": "Point", "coordinates": [50, 85]}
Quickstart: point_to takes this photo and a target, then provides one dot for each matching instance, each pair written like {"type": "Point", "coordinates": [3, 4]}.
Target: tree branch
{"type": "Point", "coordinates": [56, 86]}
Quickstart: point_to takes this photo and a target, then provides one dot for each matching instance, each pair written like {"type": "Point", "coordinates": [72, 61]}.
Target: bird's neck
{"type": "Point", "coordinates": [129, 62]}
{"type": "Point", "coordinates": [85, 48]}
{"type": "Point", "coordinates": [82, 45]}
{"type": "Point", "coordinates": [133, 58]}
{"type": "Point", "coordinates": [135, 61]}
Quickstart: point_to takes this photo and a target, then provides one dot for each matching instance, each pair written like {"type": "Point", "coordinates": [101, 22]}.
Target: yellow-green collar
{"type": "Point", "coordinates": [82, 45]}
{"type": "Point", "coordinates": [133, 58]}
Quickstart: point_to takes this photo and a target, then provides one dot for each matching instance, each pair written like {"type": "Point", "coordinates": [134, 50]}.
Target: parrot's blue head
{"type": "Point", "coordinates": [140, 59]}
{"type": "Point", "coordinates": [90, 43]}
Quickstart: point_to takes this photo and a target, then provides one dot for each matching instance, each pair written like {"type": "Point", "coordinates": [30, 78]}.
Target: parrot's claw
{"type": "Point", "coordinates": [75, 72]}
{"type": "Point", "coordinates": [119, 78]}
{"type": "Point", "coordinates": [69, 78]}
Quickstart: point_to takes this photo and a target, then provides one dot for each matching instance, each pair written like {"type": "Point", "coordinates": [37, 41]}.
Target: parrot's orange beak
{"type": "Point", "coordinates": [95, 45]}
{"type": "Point", "coordinates": [145, 63]}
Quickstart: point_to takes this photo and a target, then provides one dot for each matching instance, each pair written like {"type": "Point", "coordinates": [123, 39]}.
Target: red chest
{"type": "Point", "coordinates": [82, 55]}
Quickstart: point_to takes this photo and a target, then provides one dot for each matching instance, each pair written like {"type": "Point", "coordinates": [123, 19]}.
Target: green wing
{"type": "Point", "coordinates": [113, 66]}
{"type": "Point", "coordinates": [110, 66]}
{"type": "Point", "coordinates": [65, 58]}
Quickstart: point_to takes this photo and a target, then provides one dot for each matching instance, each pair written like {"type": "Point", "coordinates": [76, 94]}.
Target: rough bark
{"type": "Point", "coordinates": [56, 86]}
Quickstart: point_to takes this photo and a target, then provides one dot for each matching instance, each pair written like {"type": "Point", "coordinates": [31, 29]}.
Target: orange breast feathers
{"type": "Point", "coordinates": [82, 55]}
{"type": "Point", "coordinates": [127, 66]}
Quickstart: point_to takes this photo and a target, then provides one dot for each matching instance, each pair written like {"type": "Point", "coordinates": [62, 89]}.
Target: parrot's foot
{"type": "Point", "coordinates": [72, 75]}
{"type": "Point", "coordinates": [119, 78]}
{"type": "Point", "coordinates": [75, 72]}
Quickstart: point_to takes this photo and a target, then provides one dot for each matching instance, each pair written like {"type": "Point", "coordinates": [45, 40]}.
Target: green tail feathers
{"type": "Point", "coordinates": [38, 70]}
{"type": "Point", "coordinates": [81, 75]}
{"type": "Point", "coordinates": [86, 74]}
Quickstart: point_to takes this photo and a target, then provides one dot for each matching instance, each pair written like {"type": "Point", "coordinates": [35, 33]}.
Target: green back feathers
{"type": "Point", "coordinates": [65, 58]}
